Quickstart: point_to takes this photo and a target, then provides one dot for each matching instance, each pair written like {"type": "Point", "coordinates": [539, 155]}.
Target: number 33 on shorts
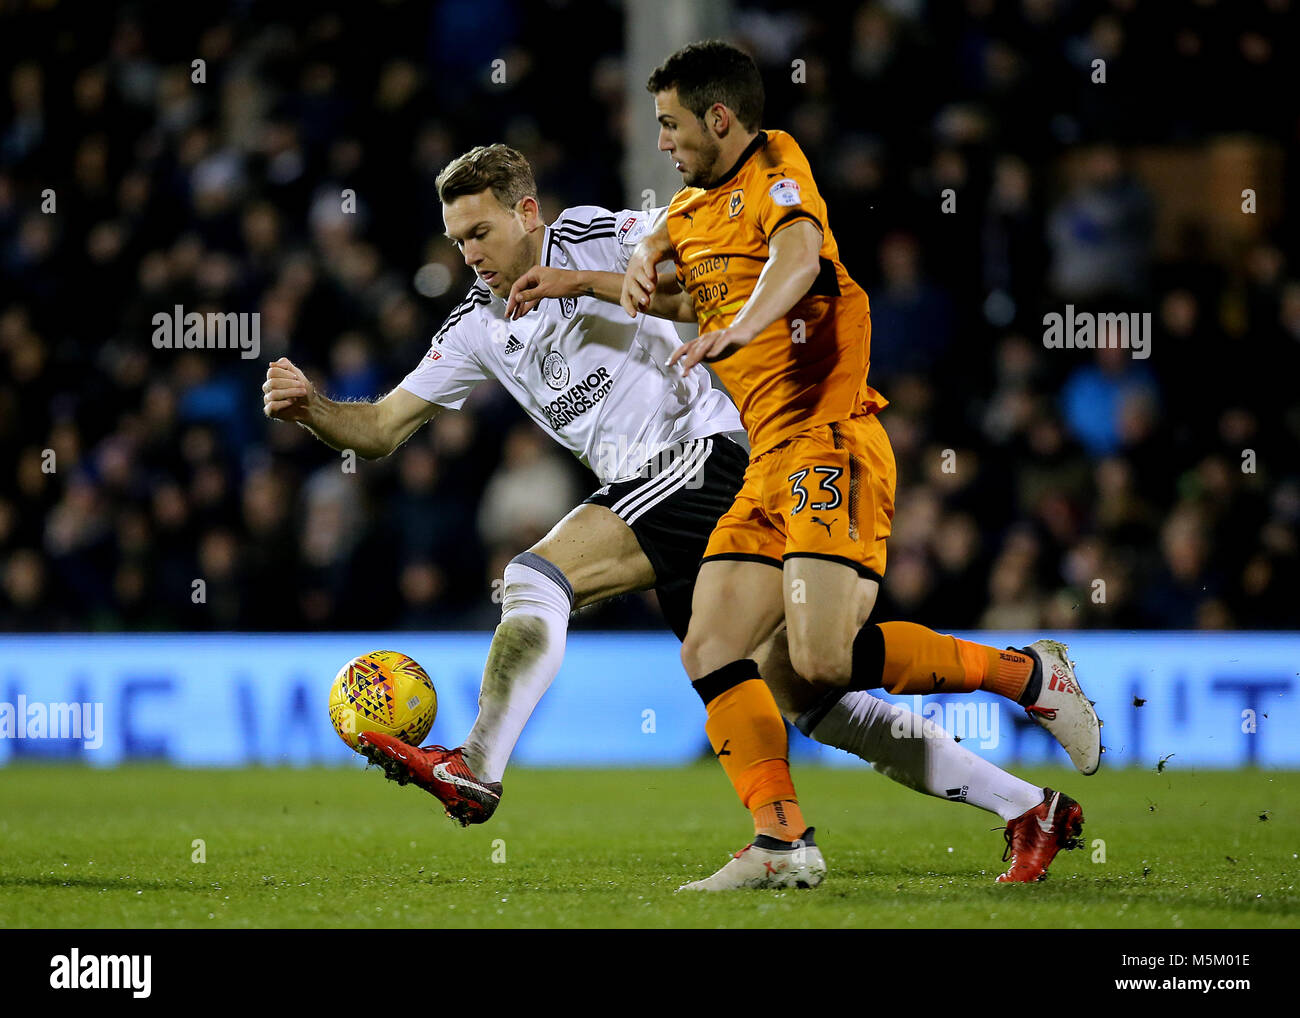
{"type": "Point", "coordinates": [838, 497]}
{"type": "Point", "coordinates": [827, 492]}
{"type": "Point", "coordinates": [828, 476]}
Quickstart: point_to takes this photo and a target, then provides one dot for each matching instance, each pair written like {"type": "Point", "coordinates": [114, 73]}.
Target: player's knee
{"type": "Point", "coordinates": [702, 653]}
{"type": "Point", "coordinates": [534, 583]}
{"type": "Point", "coordinates": [692, 656]}
{"type": "Point", "coordinates": [818, 663]}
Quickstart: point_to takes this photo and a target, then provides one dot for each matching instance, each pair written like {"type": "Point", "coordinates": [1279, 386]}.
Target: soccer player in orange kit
{"type": "Point", "coordinates": [804, 542]}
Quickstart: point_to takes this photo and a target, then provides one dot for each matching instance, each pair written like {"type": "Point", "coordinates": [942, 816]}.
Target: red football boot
{"type": "Point", "coordinates": [1034, 837]}
{"type": "Point", "coordinates": [439, 771]}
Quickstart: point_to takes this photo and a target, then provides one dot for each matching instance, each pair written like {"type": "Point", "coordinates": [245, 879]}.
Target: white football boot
{"type": "Point", "coordinates": [1062, 708]}
{"type": "Point", "coordinates": [768, 863]}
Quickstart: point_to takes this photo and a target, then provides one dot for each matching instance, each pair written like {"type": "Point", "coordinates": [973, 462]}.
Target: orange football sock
{"type": "Point", "coordinates": [748, 737]}
{"type": "Point", "coordinates": [1006, 672]}
{"type": "Point", "coordinates": [919, 660]}
{"type": "Point", "coordinates": [781, 819]}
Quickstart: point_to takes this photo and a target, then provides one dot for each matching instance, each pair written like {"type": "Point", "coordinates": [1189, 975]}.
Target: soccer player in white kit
{"type": "Point", "coordinates": [657, 440]}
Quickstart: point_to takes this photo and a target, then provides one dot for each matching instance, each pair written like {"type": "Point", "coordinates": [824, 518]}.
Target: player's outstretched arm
{"type": "Point", "coordinates": [371, 429]}
{"type": "Point", "coordinates": [787, 276]}
{"type": "Point", "coordinates": [542, 281]}
{"type": "Point", "coordinates": [641, 279]}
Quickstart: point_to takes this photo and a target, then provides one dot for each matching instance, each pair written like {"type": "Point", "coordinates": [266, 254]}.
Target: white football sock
{"type": "Point", "coordinates": [525, 656]}
{"type": "Point", "coordinates": [916, 752]}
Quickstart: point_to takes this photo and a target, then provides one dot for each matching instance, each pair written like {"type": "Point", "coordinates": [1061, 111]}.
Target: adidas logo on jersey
{"type": "Point", "coordinates": [513, 345]}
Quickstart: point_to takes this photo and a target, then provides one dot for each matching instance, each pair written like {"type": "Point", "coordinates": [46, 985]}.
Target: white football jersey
{"type": "Point", "coordinates": [591, 377]}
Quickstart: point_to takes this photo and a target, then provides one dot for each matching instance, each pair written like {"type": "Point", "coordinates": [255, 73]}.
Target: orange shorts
{"type": "Point", "coordinates": [826, 493]}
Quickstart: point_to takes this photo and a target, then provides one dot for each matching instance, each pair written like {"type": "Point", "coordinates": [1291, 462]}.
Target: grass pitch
{"type": "Point", "coordinates": [344, 848]}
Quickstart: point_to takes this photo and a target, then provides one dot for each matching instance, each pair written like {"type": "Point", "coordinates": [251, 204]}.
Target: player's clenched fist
{"type": "Point", "coordinates": [639, 280]}
{"type": "Point", "coordinates": [286, 393]}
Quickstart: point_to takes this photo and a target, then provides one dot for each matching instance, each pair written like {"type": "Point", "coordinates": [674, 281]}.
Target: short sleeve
{"type": "Point", "coordinates": [448, 373]}
{"type": "Point", "coordinates": [786, 194]}
{"type": "Point", "coordinates": [629, 227]}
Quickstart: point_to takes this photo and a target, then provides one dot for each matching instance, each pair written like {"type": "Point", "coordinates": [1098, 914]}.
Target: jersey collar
{"type": "Point", "coordinates": [759, 141]}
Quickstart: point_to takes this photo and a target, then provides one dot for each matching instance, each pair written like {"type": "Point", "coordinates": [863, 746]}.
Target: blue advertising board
{"type": "Point", "coordinates": [621, 699]}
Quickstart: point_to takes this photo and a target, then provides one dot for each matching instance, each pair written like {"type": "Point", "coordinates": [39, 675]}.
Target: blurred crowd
{"type": "Point", "coordinates": [1037, 487]}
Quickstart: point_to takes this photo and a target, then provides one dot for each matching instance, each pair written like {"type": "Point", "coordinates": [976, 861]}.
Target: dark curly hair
{"type": "Point", "coordinates": [711, 72]}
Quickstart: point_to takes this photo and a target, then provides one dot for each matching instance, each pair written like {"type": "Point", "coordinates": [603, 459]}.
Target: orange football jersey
{"type": "Point", "coordinates": [809, 367]}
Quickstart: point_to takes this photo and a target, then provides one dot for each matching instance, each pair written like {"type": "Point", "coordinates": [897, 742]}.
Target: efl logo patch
{"type": "Point", "coordinates": [625, 229]}
{"type": "Point", "coordinates": [434, 355]}
{"type": "Point", "coordinates": [736, 205]}
{"type": "Point", "coordinates": [785, 192]}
